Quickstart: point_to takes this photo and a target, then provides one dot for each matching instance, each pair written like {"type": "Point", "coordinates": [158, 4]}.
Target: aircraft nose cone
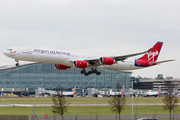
{"type": "Point", "coordinates": [5, 52]}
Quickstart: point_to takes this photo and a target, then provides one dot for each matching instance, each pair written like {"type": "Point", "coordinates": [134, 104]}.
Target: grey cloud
{"type": "Point", "coordinates": [99, 27]}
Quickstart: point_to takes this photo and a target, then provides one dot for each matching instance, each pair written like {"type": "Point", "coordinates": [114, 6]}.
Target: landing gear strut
{"type": "Point", "coordinates": [95, 71]}
{"type": "Point", "coordinates": [83, 71]}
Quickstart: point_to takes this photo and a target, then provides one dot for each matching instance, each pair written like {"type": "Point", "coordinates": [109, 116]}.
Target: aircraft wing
{"type": "Point", "coordinates": [119, 57]}
{"type": "Point", "coordinates": [124, 57]}
{"type": "Point", "coordinates": [95, 60]}
{"type": "Point", "coordinates": [155, 63]}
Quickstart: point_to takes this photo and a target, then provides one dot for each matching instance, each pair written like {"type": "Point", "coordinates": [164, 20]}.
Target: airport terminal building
{"type": "Point", "coordinates": [43, 75]}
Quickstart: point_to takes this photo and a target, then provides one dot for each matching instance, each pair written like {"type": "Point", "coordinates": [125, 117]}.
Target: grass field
{"type": "Point", "coordinates": [28, 100]}
{"type": "Point", "coordinates": [92, 110]}
{"type": "Point", "coordinates": [82, 110]}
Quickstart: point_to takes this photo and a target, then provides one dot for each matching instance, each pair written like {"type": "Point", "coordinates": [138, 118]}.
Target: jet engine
{"type": "Point", "coordinates": [60, 67]}
{"type": "Point", "coordinates": [106, 60]}
{"type": "Point", "coordinates": [80, 64]}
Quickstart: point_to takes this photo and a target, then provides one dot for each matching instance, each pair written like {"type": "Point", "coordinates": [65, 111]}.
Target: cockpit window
{"type": "Point", "coordinates": [10, 49]}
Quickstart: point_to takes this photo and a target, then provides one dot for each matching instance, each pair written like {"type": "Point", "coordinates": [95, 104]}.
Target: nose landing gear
{"type": "Point", "coordinates": [17, 64]}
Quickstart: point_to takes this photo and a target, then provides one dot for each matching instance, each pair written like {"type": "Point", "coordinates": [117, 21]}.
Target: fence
{"type": "Point", "coordinates": [88, 117]}
{"type": "Point", "coordinates": [96, 116]}
{"type": "Point", "coordinates": [107, 117]}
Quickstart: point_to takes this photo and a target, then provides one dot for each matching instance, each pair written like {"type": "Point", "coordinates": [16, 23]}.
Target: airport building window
{"type": "Point", "coordinates": [44, 75]}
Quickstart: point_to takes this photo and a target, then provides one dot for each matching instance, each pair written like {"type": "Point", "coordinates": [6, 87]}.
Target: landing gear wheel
{"type": "Point", "coordinates": [89, 72]}
{"type": "Point", "coordinates": [98, 73]}
{"type": "Point", "coordinates": [86, 74]}
{"type": "Point", "coordinates": [94, 71]}
{"type": "Point", "coordinates": [82, 72]}
{"type": "Point", "coordinates": [17, 64]}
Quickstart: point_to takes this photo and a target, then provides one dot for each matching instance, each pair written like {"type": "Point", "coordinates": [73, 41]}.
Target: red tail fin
{"type": "Point", "coordinates": [122, 91]}
{"type": "Point", "coordinates": [151, 56]}
{"type": "Point", "coordinates": [74, 90]}
{"type": "Point", "coordinates": [159, 90]}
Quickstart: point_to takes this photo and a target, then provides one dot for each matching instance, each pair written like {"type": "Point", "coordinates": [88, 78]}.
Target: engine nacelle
{"type": "Point", "coordinates": [60, 67]}
{"type": "Point", "coordinates": [80, 64]}
{"type": "Point", "coordinates": [106, 60]}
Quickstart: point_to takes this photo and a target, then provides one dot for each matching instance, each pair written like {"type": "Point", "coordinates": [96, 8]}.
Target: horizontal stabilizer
{"type": "Point", "coordinates": [155, 63]}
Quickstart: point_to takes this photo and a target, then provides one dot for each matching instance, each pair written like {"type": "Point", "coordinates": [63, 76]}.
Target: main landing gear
{"type": "Point", "coordinates": [17, 64]}
{"type": "Point", "coordinates": [90, 72]}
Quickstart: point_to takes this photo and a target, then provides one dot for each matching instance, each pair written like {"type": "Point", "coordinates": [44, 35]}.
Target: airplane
{"type": "Point", "coordinates": [117, 93]}
{"type": "Point", "coordinates": [153, 94]}
{"type": "Point", "coordinates": [67, 94]}
{"type": "Point", "coordinates": [64, 60]}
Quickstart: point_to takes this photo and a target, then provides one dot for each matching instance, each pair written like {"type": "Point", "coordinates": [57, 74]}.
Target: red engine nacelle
{"type": "Point", "coordinates": [61, 67]}
{"type": "Point", "coordinates": [80, 64]}
{"type": "Point", "coordinates": [107, 60]}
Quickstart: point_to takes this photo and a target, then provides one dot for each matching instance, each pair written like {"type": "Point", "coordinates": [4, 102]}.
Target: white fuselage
{"type": "Point", "coordinates": [62, 57]}
{"type": "Point", "coordinates": [152, 93]}
{"type": "Point", "coordinates": [54, 92]}
{"type": "Point", "coordinates": [115, 93]}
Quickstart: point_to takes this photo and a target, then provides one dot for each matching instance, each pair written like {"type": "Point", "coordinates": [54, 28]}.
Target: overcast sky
{"type": "Point", "coordinates": [101, 27]}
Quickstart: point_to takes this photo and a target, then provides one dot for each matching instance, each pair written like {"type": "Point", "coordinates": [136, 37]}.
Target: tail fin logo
{"type": "Point", "coordinates": [151, 55]}
{"type": "Point", "coordinates": [159, 90]}
{"type": "Point", "coordinates": [74, 91]}
{"type": "Point", "coordinates": [122, 91]}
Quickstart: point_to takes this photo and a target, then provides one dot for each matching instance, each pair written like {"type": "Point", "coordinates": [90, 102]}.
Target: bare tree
{"type": "Point", "coordinates": [118, 101]}
{"type": "Point", "coordinates": [60, 102]}
{"type": "Point", "coordinates": [170, 100]}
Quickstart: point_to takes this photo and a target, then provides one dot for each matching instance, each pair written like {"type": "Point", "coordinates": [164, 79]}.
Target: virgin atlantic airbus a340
{"type": "Point", "coordinates": [64, 60]}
